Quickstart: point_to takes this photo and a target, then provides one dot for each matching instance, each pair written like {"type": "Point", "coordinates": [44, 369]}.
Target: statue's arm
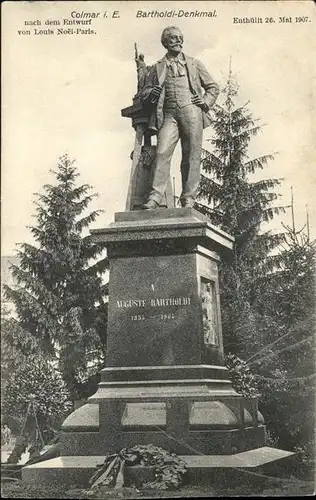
{"type": "Point", "coordinates": [209, 85]}
{"type": "Point", "coordinates": [150, 82]}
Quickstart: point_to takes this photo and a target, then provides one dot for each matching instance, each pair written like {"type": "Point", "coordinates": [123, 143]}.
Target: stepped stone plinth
{"type": "Point", "coordinates": [165, 382]}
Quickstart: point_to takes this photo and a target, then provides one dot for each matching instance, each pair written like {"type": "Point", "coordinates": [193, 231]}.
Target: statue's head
{"type": "Point", "coordinates": [172, 39]}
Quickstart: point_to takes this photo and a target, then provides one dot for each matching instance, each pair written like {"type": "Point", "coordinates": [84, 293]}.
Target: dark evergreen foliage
{"type": "Point", "coordinates": [288, 296]}
{"type": "Point", "coordinates": [60, 300]}
{"type": "Point", "coordinates": [239, 204]}
{"type": "Point", "coordinates": [267, 283]}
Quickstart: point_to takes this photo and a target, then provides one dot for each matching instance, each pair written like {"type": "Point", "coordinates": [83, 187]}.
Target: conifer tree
{"type": "Point", "coordinates": [240, 204]}
{"type": "Point", "coordinates": [289, 400]}
{"type": "Point", "coordinates": [60, 300]}
{"type": "Point", "coordinates": [268, 282]}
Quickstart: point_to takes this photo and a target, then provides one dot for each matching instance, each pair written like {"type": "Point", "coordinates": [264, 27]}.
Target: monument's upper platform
{"type": "Point", "coordinates": [161, 224]}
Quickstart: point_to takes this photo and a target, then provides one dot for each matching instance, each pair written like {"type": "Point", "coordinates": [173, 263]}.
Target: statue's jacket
{"type": "Point", "coordinates": [199, 80]}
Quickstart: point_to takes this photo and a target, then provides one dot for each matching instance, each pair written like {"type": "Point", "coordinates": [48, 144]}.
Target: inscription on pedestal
{"type": "Point", "coordinates": [154, 311]}
{"type": "Point", "coordinates": [139, 306]}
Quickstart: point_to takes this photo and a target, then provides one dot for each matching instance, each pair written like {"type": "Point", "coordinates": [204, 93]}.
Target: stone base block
{"type": "Point", "coordinates": [184, 409]}
{"type": "Point", "coordinates": [70, 471]}
{"type": "Point", "coordinates": [223, 442]}
{"type": "Point", "coordinates": [76, 471]}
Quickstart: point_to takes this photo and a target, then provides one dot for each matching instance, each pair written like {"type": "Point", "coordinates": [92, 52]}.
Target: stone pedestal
{"type": "Point", "coordinates": [163, 297]}
{"type": "Point", "coordinates": [165, 382]}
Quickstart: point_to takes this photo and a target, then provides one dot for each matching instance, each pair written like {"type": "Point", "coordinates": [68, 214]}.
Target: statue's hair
{"type": "Point", "coordinates": [166, 31]}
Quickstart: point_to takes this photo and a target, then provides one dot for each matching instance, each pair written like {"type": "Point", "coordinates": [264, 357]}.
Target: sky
{"type": "Point", "coordinates": [64, 94]}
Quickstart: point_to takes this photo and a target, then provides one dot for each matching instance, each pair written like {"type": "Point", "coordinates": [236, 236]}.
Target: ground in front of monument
{"type": "Point", "coordinates": [270, 487]}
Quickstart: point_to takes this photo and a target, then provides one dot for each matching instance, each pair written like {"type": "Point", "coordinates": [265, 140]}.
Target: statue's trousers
{"type": "Point", "coordinates": [184, 123]}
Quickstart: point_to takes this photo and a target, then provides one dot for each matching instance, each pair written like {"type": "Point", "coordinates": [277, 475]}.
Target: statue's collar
{"type": "Point", "coordinates": [164, 59]}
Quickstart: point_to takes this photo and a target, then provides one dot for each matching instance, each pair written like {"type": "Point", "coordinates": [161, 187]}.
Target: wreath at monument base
{"type": "Point", "coordinates": [168, 468]}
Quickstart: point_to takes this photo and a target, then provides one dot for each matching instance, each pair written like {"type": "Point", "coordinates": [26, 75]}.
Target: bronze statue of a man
{"type": "Point", "coordinates": [174, 87]}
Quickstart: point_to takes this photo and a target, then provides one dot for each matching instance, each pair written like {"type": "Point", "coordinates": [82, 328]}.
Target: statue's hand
{"type": "Point", "coordinates": [155, 93]}
{"type": "Point", "coordinates": [198, 101]}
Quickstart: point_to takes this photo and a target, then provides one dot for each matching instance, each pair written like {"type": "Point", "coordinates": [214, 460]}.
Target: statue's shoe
{"type": "Point", "coordinates": [150, 205]}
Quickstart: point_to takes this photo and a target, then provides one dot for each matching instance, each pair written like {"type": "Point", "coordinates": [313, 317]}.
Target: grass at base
{"type": "Point", "coordinates": [19, 489]}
